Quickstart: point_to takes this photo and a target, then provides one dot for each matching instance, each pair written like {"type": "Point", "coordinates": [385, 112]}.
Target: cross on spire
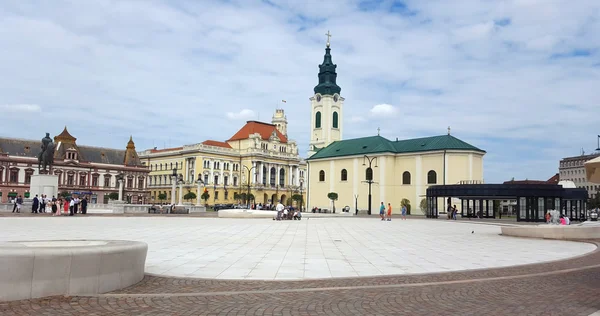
{"type": "Point", "coordinates": [328, 36]}
{"type": "Point", "coordinates": [378, 130]}
{"type": "Point", "coordinates": [448, 130]}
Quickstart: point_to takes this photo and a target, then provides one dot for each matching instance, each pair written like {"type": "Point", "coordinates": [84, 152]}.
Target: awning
{"type": "Point", "coordinates": [12, 194]}
{"type": "Point", "coordinates": [592, 170]}
{"type": "Point", "coordinates": [26, 195]}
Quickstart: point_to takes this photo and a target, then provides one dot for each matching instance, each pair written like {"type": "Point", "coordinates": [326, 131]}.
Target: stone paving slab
{"type": "Point", "coordinates": [309, 249]}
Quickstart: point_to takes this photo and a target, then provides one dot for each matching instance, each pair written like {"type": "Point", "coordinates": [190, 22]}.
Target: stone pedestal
{"type": "Point", "coordinates": [118, 207]}
{"type": "Point", "coordinates": [44, 184]}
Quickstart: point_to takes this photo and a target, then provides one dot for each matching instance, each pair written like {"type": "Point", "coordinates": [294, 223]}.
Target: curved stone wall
{"type": "Point", "coordinates": [32, 269]}
{"type": "Point", "coordinates": [553, 231]}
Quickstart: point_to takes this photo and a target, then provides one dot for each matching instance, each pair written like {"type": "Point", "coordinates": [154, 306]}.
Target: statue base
{"type": "Point", "coordinates": [44, 184]}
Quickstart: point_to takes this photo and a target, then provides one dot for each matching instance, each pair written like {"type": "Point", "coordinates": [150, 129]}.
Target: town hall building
{"type": "Point", "coordinates": [374, 168]}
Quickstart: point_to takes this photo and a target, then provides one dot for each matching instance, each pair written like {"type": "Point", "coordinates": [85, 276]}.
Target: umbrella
{"type": "Point", "coordinates": [592, 170]}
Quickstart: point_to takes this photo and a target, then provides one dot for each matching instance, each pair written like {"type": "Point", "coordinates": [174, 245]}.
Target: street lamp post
{"type": "Point", "coordinates": [248, 196]}
{"type": "Point", "coordinates": [301, 197]}
{"type": "Point", "coordinates": [199, 182]}
{"type": "Point", "coordinates": [369, 176]}
{"type": "Point", "coordinates": [173, 184]}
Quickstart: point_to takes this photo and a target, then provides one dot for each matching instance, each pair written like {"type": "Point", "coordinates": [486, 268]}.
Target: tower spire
{"type": "Point", "coordinates": [327, 75]}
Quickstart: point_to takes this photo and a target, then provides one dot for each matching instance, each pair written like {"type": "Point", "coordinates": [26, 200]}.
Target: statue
{"type": "Point", "coordinates": [46, 156]}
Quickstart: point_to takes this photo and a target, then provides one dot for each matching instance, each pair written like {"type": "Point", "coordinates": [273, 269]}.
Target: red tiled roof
{"type": "Point", "coordinates": [555, 178]}
{"type": "Point", "coordinates": [216, 143]}
{"type": "Point", "coordinates": [166, 149]}
{"type": "Point", "coordinates": [264, 129]}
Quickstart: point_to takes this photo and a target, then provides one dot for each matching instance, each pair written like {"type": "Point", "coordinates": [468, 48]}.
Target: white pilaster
{"type": "Point", "coordinates": [290, 178]}
{"type": "Point", "coordinates": [331, 178]}
{"type": "Point", "coordinates": [470, 166]}
{"type": "Point", "coordinates": [253, 173]}
{"type": "Point", "coordinates": [382, 181]}
{"type": "Point", "coordinates": [355, 179]}
{"type": "Point", "coordinates": [445, 180]}
{"type": "Point", "coordinates": [212, 172]}
{"type": "Point", "coordinates": [418, 182]}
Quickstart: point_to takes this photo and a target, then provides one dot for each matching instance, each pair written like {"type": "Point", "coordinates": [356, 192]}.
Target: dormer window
{"type": "Point", "coordinates": [71, 155]}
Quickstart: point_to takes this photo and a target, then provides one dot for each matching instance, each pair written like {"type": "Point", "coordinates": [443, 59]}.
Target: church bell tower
{"type": "Point", "coordinates": [326, 104]}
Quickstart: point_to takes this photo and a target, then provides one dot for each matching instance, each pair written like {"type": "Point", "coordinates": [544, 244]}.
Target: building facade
{"type": "Point", "coordinates": [259, 159]}
{"type": "Point", "coordinates": [81, 170]}
{"type": "Point", "coordinates": [390, 170]}
{"type": "Point", "coordinates": [573, 169]}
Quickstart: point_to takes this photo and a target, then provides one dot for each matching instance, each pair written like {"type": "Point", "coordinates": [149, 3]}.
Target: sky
{"type": "Point", "coordinates": [519, 79]}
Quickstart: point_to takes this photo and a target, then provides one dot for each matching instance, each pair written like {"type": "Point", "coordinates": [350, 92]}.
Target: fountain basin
{"type": "Point", "coordinates": [545, 231]}
{"type": "Point", "coordinates": [33, 269]}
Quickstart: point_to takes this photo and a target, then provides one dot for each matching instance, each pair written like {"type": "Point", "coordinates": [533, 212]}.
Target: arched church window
{"type": "Point", "coordinates": [335, 119]}
{"type": "Point", "coordinates": [321, 175]}
{"type": "Point", "coordinates": [406, 177]}
{"type": "Point", "coordinates": [344, 175]}
{"type": "Point", "coordinates": [318, 120]}
{"type": "Point", "coordinates": [369, 174]}
{"type": "Point", "coordinates": [431, 177]}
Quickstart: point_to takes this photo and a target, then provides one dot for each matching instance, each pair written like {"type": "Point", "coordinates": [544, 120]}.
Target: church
{"type": "Point", "coordinates": [366, 171]}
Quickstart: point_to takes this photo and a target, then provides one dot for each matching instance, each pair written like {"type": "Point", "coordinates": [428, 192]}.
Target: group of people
{"type": "Point", "coordinates": [287, 213]}
{"type": "Point", "coordinates": [43, 204]}
{"type": "Point", "coordinates": [388, 216]}
{"type": "Point", "coordinates": [564, 220]}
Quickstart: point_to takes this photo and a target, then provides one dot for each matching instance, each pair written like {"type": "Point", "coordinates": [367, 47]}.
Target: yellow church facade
{"type": "Point", "coordinates": [259, 159]}
{"type": "Point", "coordinates": [397, 170]}
{"type": "Point", "coordinates": [390, 170]}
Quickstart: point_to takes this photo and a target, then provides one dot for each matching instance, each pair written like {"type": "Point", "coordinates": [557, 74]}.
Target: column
{"type": "Point", "coordinates": [180, 194]}
{"type": "Point", "coordinates": [297, 175]}
{"type": "Point", "coordinates": [198, 193]}
{"type": "Point", "coordinates": [290, 178]}
{"type": "Point", "coordinates": [212, 171]}
{"type": "Point", "coordinates": [121, 189]}
{"type": "Point", "coordinates": [174, 182]}
{"type": "Point", "coordinates": [253, 173]}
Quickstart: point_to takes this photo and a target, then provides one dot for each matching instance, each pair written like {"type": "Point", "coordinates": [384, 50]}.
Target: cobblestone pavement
{"type": "Point", "coordinates": [569, 287]}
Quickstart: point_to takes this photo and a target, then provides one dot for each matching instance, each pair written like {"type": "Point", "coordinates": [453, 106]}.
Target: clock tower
{"type": "Point", "coordinates": [326, 104]}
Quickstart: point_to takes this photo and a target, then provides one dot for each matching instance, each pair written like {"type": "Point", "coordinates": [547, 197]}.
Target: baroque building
{"type": "Point", "coordinates": [259, 158]}
{"type": "Point", "coordinates": [373, 169]}
{"type": "Point", "coordinates": [81, 170]}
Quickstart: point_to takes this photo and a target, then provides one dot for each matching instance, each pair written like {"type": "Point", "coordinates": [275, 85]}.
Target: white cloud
{"type": "Point", "coordinates": [20, 108]}
{"type": "Point", "coordinates": [357, 119]}
{"type": "Point", "coordinates": [244, 114]}
{"type": "Point", "coordinates": [383, 110]}
{"type": "Point", "coordinates": [450, 63]}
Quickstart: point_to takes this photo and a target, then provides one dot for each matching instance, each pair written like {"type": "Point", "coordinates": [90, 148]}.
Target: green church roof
{"type": "Point", "coordinates": [378, 144]}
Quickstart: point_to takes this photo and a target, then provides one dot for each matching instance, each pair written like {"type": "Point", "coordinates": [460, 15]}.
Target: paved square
{"type": "Point", "coordinates": [307, 249]}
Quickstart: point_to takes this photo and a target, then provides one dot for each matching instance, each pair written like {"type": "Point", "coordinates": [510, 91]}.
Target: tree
{"type": "Point", "coordinates": [250, 197]}
{"type": "Point", "coordinates": [205, 196]}
{"type": "Point", "coordinates": [333, 197]}
{"type": "Point", "coordinates": [423, 205]}
{"type": "Point", "coordinates": [297, 198]}
{"type": "Point", "coordinates": [243, 197]}
{"type": "Point", "coordinates": [406, 202]}
{"type": "Point", "coordinates": [113, 196]}
{"type": "Point", "coordinates": [162, 196]}
{"type": "Point", "coordinates": [65, 194]}
{"type": "Point", "coordinates": [236, 197]}
{"type": "Point", "coordinates": [189, 196]}
{"type": "Point", "coordinates": [594, 203]}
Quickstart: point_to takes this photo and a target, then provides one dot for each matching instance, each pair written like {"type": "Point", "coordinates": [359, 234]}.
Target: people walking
{"type": "Point", "coordinates": [14, 205]}
{"type": "Point", "coordinates": [71, 207]}
{"type": "Point", "coordinates": [382, 211]}
{"type": "Point", "coordinates": [389, 212]}
{"type": "Point", "coordinates": [43, 202]}
{"type": "Point", "coordinates": [404, 212]}
{"type": "Point", "coordinates": [84, 203]}
{"type": "Point", "coordinates": [454, 211]}
{"type": "Point", "coordinates": [54, 207]}
{"type": "Point", "coordinates": [19, 204]}
{"type": "Point", "coordinates": [35, 205]}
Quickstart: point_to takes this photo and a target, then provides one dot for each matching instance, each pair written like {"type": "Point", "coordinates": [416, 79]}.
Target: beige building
{"type": "Point", "coordinates": [401, 169]}
{"type": "Point", "coordinates": [573, 169]}
{"type": "Point", "coordinates": [258, 158]}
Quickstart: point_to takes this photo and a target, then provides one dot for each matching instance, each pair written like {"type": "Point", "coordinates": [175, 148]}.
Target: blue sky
{"type": "Point", "coordinates": [519, 78]}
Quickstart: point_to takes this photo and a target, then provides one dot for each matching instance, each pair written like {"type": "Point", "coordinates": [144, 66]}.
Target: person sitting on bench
{"type": "Point", "coordinates": [297, 215]}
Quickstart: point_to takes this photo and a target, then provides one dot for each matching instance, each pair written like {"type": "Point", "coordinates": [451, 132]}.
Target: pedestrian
{"type": "Point", "coordinates": [15, 206]}
{"type": "Point", "coordinates": [71, 206]}
{"type": "Point", "coordinates": [43, 204]}
{"type": "Point", "coordinates": [84, 203]}
{"type": "Point", "coordinates": [382, 211]}
{"type": "Point", "coordinates": [65, 204]}
{"type": "Point", "coordinates": [54, 207]}
{"type": "Point", "coordinates": [404, 212]}
{"type": "Point", "coordinates": [35, 205]}
{"type": "Point", "coordinates": [75, 205]}
{"type": "Point", "coordinates": [389, 212]}
{"type": "Point", "coordinates": [454, 211]}
{"type": "Point", "coordinates": [19, 204]}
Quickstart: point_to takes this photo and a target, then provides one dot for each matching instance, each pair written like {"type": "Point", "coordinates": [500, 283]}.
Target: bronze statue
{"type": "Point", "coordinates": [46, 156]}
